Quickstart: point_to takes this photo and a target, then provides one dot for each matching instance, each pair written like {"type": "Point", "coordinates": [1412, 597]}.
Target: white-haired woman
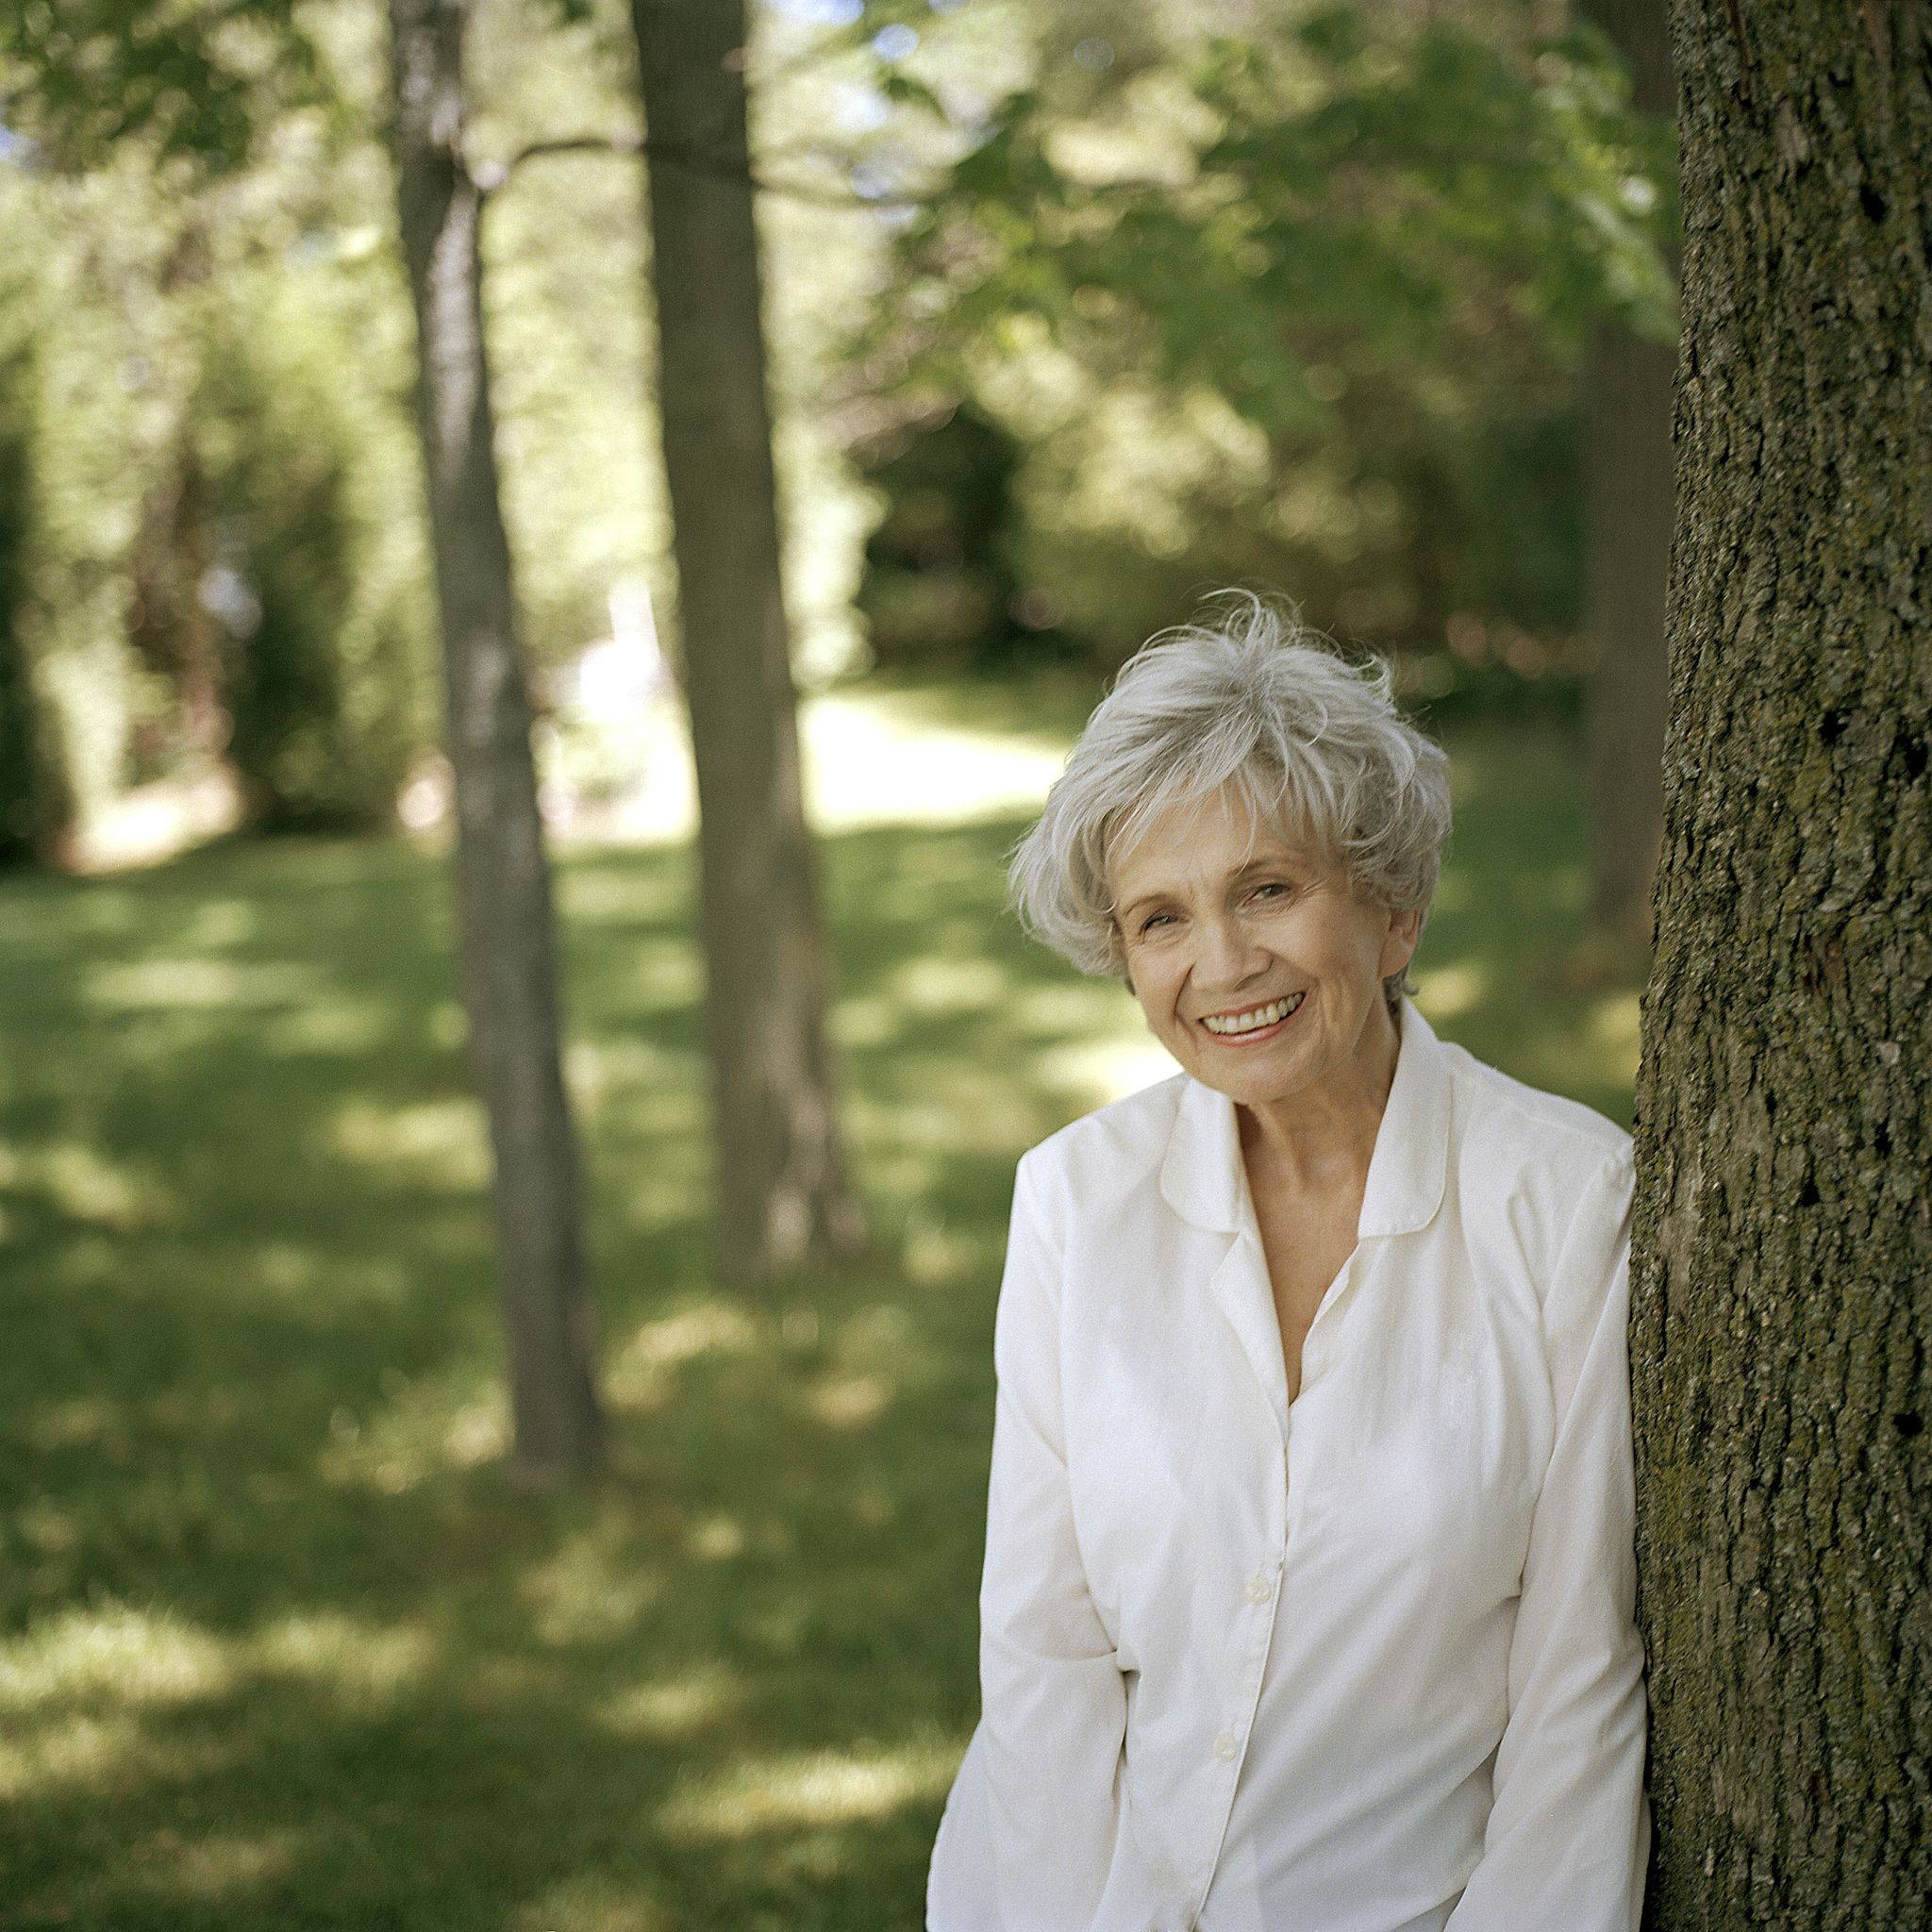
{"type": "Point", "coordinates": [1307, 1599]}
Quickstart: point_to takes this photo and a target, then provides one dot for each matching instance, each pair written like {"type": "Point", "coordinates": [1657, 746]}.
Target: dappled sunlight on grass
{"type": "Point", "coordinates": [338, 1028]}
{"type": "Point", "coordinates": [220, 1864]}
{"type": "Point", "coordinates": [876, 760]}
{"type": "Point", "coordinates": [590, 1904]}
{"type": "Point", "coordinates": [1106, 1070]}
{"type": "Point", "coordinates": [438, 1143]}
{"type": "Point", "coordinates": [600, 1070]}
{"type": "Point", "coordinates": [1446, 992]}
{"type": "Point", "coordinates": [83, 1422]}
{"type": "Point", "coordinates": [101, 1699]}
{"type": "Point", "coordinates": [715, 1538]}
{"type": "Point", "coordinates": [975, 1109]}
{"type": "Point", "coordinates": [638, 1369]}
{"type": "Point", "coordinates": [85, 1184]}
{"type": "Point", "coordinates": [201, 982]}
{"type": "Point", "coordinates": [933, 1251]}
{"type": "Point", "coordinates": [130, 1656]}
{"type": "Point", "coordinates": [357, 1662]}
{"type": "Point", "coordinates": [849, 1402]}
{"type": "Point", "coordinates": [670, 1709]}
{"type": "Point", "coordinates": [438, 1422]}
{"type": "Point", "coordinates": [661, 975]}
{"type": "Point", "coordinates": [302, 1275]}
{"type": "Point", "coordinates": [809, 1788]}
{"type": "Point", "coordinates": [95, 1756]}
{"type": "Point", "coordinates": [871, 757]}
{"type": "Point", "coordinates": [615, 893]}
{"type": "Point", "coordinates": [922, 989]}
{"type": "Point", "coordinates": [593, 1589]}
{"type": "Point", "coordinates": [217, 924]}
{"type": "Point", "coordinates": [1616, 1023]}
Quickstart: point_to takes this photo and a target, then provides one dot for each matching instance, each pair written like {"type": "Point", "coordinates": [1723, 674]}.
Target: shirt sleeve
{"type": "Point", "coordinates": [1569, 1830]}
{"type": "Point", "coordinates": [1053, 1697]}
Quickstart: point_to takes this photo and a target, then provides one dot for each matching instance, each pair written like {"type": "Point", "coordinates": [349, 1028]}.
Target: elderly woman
{"type": "Point", "coordinates": [1307, 1602]}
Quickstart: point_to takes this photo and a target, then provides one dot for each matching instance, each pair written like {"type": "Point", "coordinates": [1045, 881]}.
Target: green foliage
{"type": "Point", "coordinates": [196, 80]}
{"type": "Point", "coordinates": [223, 396]}
{"type": "Point", "coordinates": [78, 265]}
{"type": "Point", "coordinates": [1411, 188]}
{"type": "Point", "coordinates": [1282, 307]}
{"type": "Point", "coordinates": [939, 581]}
{"type": "Point", "coordinates": [1522, 554]}
{"type": "Point", "coordinates": [1295, 312]}
{"type": "Point", "coordinates": [322, 674]}
{"type": "Point", "coordinates": [279, 1648]}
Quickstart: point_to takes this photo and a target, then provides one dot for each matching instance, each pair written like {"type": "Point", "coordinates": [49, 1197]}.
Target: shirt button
{"type": "Point", "coordinates": [1259, 1589]}
{"type": "Point", "coordinates": [1224, 1745]}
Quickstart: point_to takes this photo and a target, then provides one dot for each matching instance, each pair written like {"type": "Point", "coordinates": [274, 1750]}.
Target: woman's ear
{"type": "Point", "coordinates": [1398, 949]}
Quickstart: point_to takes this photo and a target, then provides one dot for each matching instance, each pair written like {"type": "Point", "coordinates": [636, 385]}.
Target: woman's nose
{"type": "Point", "coordinates": [1228, 953]}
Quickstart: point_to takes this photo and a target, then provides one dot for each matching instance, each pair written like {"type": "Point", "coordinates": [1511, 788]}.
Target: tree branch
{"type": "Point", "coordinates": [492, 176]}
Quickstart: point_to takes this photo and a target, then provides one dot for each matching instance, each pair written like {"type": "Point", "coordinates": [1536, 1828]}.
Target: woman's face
{"type": "Point", "coordinates": [1255, 966]}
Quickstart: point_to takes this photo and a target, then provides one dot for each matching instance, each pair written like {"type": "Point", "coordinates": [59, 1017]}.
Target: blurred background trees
{"type": "Point", "coordinates": [1296, 297]}
{"type": "Point", "coordinates": [506, 937]}
{"type": "Point", "coordinates": [222, 573]}
{"type": "Point", "coordinates": [784, 1197]}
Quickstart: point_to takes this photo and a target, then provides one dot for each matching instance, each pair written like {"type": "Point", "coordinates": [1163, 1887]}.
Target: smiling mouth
{"type": "Point", "coordinates": [1256, 1020]}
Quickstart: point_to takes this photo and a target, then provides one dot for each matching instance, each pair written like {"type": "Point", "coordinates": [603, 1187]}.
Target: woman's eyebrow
{"type": "Point", "coordinates": [1272, 861]}
{"type": "Point", "coordinates": [1126, 906]}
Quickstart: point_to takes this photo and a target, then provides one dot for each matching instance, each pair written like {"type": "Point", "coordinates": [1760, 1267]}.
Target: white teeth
{"type": "Point", "coordinates": [1254, 1022]}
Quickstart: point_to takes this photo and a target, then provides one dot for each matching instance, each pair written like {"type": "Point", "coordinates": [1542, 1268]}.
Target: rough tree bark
{"type": "Point", "coordinates": [783, 1195]}
{"type": "Point", "coordinates": [505, 925]}
{"type": "Point", "coordinates": [1628, 521]}
{"type": "Point", "coordinates": [1782, 1304]}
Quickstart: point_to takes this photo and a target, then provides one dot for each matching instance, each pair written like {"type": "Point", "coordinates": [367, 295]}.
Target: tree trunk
{"type": "Point", "coordinates": [504, 923]}
{"type": "Point", "coordinates": [1782, 1295]}
{"type": "Point", "coordinates": [1627, 519]}
{"type": "Point", "coordinates": [783, 1197]}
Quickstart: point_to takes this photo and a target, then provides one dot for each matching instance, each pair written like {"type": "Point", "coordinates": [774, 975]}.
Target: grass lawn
{"type": "Point", "coordinates": [278, 1646]}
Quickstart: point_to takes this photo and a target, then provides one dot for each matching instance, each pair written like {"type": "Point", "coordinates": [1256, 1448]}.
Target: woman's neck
{"type": "Point", "coordinates": [1325, 1137]}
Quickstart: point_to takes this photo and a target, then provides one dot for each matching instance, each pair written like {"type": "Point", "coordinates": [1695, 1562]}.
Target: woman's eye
{"type": "Point", "coordinates": [1155, 919]}
{"type": "Point", "coordinates": [1273, 889]}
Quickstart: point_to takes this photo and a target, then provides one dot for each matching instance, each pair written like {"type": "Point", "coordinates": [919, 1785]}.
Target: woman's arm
{"type": "Point", "coordinates": [1569, 1830]}
{"type": "Point", "coordinates": [1053, 1699]}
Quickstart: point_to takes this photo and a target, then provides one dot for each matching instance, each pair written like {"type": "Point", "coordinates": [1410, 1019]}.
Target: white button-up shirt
{"type": "Point", "coordinates": [1361, 1663]}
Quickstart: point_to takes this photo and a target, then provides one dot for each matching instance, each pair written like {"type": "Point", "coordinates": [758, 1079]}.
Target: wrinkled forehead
{"type": "Point", "coordinates": [1230, 821]}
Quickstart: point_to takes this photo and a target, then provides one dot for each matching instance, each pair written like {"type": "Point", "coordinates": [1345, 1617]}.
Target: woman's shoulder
{"type": "Point", "coordinates": [1506, 1126]}
{"type": "Point", "coordinates": [1116, 1146]}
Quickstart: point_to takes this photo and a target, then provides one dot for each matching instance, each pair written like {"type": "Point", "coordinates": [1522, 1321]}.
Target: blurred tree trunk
{"type": "Point", "coordinates": [1782, 1307]}
{"type": "Point", "coordinates": [504, 923]}
{"type": "Point", "coordinates": [783, 1194]}
{"type": "Point", "coordinates": [1627, 520]}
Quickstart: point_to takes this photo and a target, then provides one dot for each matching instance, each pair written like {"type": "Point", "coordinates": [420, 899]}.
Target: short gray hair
{"type": "Point", "coordinates": [1245, 699]}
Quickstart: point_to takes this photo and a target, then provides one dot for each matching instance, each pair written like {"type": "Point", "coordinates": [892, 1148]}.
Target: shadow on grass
{"type": "Point", "coordinates": [277, 1647]}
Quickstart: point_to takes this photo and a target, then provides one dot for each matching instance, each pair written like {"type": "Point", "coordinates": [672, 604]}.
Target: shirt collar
{"type": "Point", "coordinates": [1201, 1177]}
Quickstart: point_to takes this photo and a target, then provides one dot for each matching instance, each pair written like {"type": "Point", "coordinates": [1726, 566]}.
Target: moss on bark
{"type": "Point", "coordinates": [1782, 1302]}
